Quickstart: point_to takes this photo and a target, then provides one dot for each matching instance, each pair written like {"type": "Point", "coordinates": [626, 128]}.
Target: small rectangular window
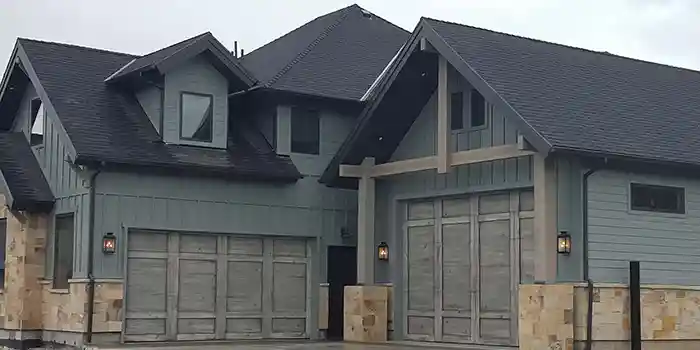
{"type": "Point", "coordinates": [478, 109]}
{"type": "Point", "coordinates": [3, 240]}
{"type": "Point", "coordinates": [662, 199]}
{"type": "Point", "coordinates": [63, 251]}
{"type": "Point", "coordinates": [456, 112]}
{"type": "Point", "coordinates": [37, 122]}
{"type": "Point", "coordinates": [196, 117]}
{"type": "Point", "coordinates": [305, 131]}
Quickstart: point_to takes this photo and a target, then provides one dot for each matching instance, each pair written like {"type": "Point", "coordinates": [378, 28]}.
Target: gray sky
{"type": "Point", "coordinates": [664, 31]}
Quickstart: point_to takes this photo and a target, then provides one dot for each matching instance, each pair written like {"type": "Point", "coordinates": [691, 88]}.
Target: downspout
{"type": "Point", "coordinates": [584, 202]}
{"type": "Point", "coordinates": [91, 256]}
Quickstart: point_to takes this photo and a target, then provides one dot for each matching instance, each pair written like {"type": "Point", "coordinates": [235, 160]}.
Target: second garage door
{"type": "Point", "coordinates": [205, 286]}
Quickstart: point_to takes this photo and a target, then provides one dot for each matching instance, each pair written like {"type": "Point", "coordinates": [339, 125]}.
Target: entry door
{"type": "Point", "coordinates": [206, 286]}
{"type": "Point", "coordinates": [463, 266]}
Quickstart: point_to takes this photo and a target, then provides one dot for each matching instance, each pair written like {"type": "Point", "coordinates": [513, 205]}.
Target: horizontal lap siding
{"type": "Point", "coordinates": [667, 245]}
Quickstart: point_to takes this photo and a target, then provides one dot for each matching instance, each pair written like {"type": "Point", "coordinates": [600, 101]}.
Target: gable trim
{"type": "Point", "coordinates": [533, 136]}
{"type": "Point", "coordinates": [41, 92]}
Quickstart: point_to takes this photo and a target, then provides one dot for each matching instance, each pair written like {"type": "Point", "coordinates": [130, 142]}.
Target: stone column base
{"type": "Point", "coordinates": [366, 313]}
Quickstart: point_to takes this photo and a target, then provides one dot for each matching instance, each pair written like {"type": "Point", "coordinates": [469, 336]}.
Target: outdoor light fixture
{"type": "Point", "coordinates": [564, 243]}
{"type": "Point", "coordinates": [109, 243]}
{"type": "Point", "coordinates": [383, 251]}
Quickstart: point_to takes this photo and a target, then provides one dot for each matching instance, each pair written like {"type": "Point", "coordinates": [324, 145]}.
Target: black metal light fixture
{"type": "Point", "coordinates": [109, 243]}
{"type": "Point", "coordinates": [564, 243]}
{"type": "Point", "coordinates": [383, 251]}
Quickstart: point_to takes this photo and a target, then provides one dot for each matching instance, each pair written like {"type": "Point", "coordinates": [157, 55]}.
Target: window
{"type": "Point", "coordinates": [3, 240]}
{"type": "Point", "coordinates": [37, 118]}
{"type": "Point", "coordinates": [63, 251]}
{"type": "Point", "coordinates": [196, 117]}
{"type": "Point", "coordinates": [478, 110]}
{"type": "Point", "coordinates": [456, 110]}
{"type": "Point", "coordinates": [305, 131]}
{"type": "Point", "coordinates": [663, 199]}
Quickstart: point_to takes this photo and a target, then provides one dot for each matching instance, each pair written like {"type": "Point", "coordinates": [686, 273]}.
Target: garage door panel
{"type": "Point", "coordinates": [455, 207]}
{"type": "Point", "coordinates": [200, 243]}
{"type": "Point", "coordinates": [195, 326]}
{"type": "Point", "coordinates": [421, 269]}
{"type": "Point", "coordinates": [495, 288]}
{"type": "Point", "coordinates": [245, 246]}
{"type": "Point", "coordinates": [494, 242]}
{"type": "Point", "coordinates": [495, 330]}
{"type": "Point", "coordinates": [456, 264]}
{"type": "Point", "coordinates": [145, 326]}
{"type": "Point", "coordinates": [244, 286]}
{"type": "Point", "coordinates": [244, 325]}
{"type": "Point", "coordinates": [459, 327]}
{"type": "Point", "coordinates": [418, 325]}
{"type": "Point", "coordinates": [494, 203]}
{"type": "Point", "coordinates": [289, 293]}
{"type": "Point", "coordinates": [289, 247]}
{"type": "Point", "coordinates": [292, 326]}
{"type": "Point", "coordinates": [197, 289]}
{"type": "Point", "coordinates": [421, 210]}
{"type": "Point", "coordinates": [147, 281]}
{"type": "Point", "coordinates": [148, 241]}
{"type": "Point", "coordinates": [527, 251]}
{"type": "Point", "coordinates": [527, 200]}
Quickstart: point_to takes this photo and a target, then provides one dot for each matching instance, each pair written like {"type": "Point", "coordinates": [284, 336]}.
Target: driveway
{"type": "Point", "coordinates": [266, 345]}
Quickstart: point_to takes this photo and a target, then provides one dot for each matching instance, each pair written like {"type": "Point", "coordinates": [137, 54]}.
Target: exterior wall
{"type": "Point", "coordinates": [554, 316]}
{"type": "Point", "coordinates": [666, 245]}
{"type": "Point", "coordinates": [151, 100]}
{"type": "Point", "coordinates": [197, 76]}
{"type": "Point", "coordinates": [420, 141]}
{"type": "Point", "coordinates": [22, 119]}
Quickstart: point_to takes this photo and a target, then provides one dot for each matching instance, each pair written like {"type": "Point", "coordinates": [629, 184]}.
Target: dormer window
{"type": "Point", "coordinates": [37, 122]}
{"type": "Point", "coordinates": [196, 117]}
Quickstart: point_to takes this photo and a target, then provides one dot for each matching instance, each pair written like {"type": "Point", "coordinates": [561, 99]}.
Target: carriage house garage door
{"type": "Point", "coordinates": [206, 286]}
{"type": "Point", "coordinates": [464, 260]}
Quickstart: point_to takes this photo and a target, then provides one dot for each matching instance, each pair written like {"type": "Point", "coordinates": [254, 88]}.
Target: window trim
{"type": "Point", "coordinates": [467, 117]}
{"type": "Point", "coordinates": [291, 130]}
{"type": "Point", "coordinates": [646, 211]}
{"type": "Point", "coordinates": [211, 98]}
{"type": "Point", "coordinates": [55, 250]}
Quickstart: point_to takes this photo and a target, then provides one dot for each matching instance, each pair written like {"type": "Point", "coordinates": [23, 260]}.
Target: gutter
{"type": "Point", "coordinates": [91, 256]}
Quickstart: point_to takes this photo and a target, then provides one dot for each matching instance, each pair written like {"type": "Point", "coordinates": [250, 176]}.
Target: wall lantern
{"type": "Point", "coordinates": [564, 243]}
{"type": "Point", "coordinates": [383, 251]}
{"type": "Point", "coordinates": [109, 243]}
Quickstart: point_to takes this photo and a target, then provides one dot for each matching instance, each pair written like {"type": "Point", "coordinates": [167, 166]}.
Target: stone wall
{"type": "Point", "coordinates": [548, 313]}
{"type": "Point", "coordinates": [65, 310]}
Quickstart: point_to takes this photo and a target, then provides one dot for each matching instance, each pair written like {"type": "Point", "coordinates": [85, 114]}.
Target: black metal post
{"type": "Point", "coordinates": [635, 307]}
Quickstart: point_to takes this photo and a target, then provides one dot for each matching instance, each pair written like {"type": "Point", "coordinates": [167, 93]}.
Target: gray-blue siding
{"type": "Point", "coordinates": [667, 245]}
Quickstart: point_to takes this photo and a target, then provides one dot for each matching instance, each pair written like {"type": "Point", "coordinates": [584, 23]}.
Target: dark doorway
{"type": "Point", "coordinates": [342, 271]}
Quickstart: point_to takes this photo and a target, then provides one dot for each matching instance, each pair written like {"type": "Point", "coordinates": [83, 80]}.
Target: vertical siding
{"type": "Point", "coordinates": [667, 245]}
{"type": "Point", "coordinates": [197, 76]}
{"type": "Point", "coordinates": [151, 101]}
{"type": "Point", "coordinates": [569, 175]}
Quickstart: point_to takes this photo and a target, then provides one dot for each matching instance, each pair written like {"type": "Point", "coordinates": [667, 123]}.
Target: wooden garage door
{"type": "Point", "coordinates": [464, 260]}
{"type": "Point", "coordinates": [204, 286]}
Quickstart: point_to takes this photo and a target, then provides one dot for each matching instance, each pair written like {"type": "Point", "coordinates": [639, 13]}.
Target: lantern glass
{"type": "Point", "coordinates": [383, 251]}
{"type": "Point", "coordinates": [109, 244]}
{"type": "Point", "coordinates": [564, 243]}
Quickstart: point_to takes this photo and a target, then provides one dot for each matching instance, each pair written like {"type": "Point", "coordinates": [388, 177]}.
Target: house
{"type": "Point", "coordinates": [175, 195]}
{"type": "Point", "coordinates": [487, 162]}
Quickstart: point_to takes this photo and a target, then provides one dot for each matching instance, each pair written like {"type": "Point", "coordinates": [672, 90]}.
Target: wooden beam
{"type": "Point", "coordinates": [365, 225]}
{"type": "Point", "coordinates": [545, 225]}
{"type": "Point", "coordinates": [346, 170]}
{"type": "Point", "coordinates": [443, 132]}
{"type": "Point", "coordinates": [487, 154]}
{"type": "Point", "coordinates": [404, 166]}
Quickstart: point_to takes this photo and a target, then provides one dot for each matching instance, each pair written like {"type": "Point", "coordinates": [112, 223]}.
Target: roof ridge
{"type": "Point", "coordinates": [601, 53]}
{"type": "Point", "coordinates": [315, 42]}
{"type": "Point", "coordinates": [193, 38]}
{"type": "Point", "coordinates": [78, 47]}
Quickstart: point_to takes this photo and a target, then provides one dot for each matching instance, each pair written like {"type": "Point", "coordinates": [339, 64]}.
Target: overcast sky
{"type": "Point", "coordinates": [665, 31]}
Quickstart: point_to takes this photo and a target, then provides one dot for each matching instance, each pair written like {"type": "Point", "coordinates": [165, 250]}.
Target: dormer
{"type": "Point", "coordinates": [184, 89]}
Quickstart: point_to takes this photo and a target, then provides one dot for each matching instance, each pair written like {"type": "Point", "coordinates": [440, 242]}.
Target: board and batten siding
{"type": "Point", "coordinates": [667, 245]}
{"type": "Point", "coordinates": [196, 76]}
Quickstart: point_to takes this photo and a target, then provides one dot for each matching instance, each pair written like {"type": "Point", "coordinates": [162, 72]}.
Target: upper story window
{"type": "Point", "coordinates": [476, 118]}
{"type": "Point", "coordinates": [36, 112]}
{"type": "Point", "coordinates": [305, 131]}
{"type": "Point", "coordinates": [662, 199]}
{"type": "Point", "coordinates": [196, 117]}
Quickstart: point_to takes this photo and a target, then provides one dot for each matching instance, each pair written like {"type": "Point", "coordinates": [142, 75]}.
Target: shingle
{"type": "Point", "coordinates": [584, 100]}
{"type": "Point", "coordinates": [337, 55]}
{"type": "Point", "coordinates": [22, 174]}
{"type": "Point", "coordinates": [107, 124]}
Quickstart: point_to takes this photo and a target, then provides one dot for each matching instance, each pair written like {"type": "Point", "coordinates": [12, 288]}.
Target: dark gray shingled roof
{"type": "Point", "coordinates": [107, 124]}
{"type": "Point", "coordinates": [566, 99]}
{"type": "Point", "coordinates": [337, 55]}
{"type": "Point", "coordinates": [23, 181]}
